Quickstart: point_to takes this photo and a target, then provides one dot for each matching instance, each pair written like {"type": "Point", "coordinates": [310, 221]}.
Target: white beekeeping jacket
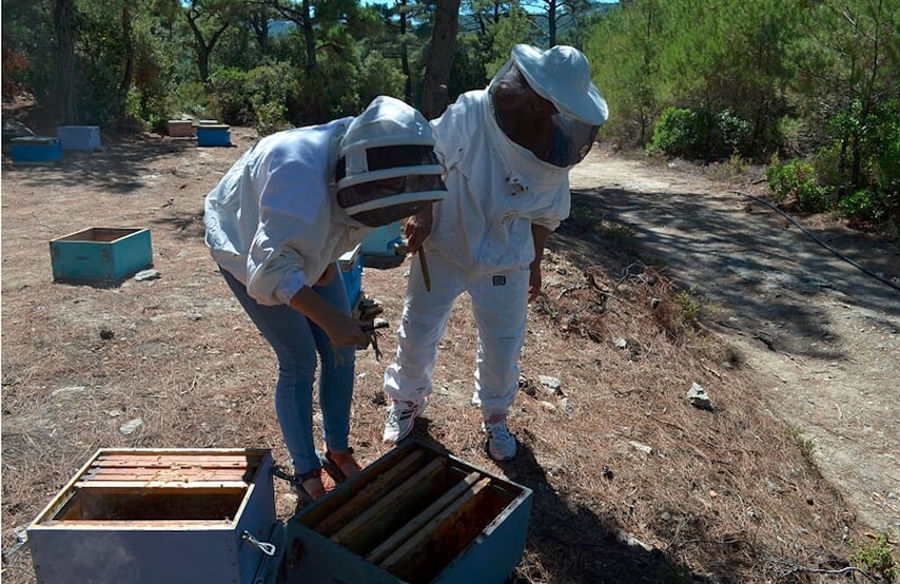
{"type": "Point", "coordinates": [273, 221]}
{"type": "Point", "coordinates": [496, 190]}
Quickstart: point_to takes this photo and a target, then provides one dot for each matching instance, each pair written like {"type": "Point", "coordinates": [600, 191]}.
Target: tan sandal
{"type": "Point", "coordinates": [341, 465]}
{"type": "Point", "coordinates": [309, 486]}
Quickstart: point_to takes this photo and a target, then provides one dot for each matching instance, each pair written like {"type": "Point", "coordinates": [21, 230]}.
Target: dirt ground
{"type": "Point", "coordinates": [662, 278]}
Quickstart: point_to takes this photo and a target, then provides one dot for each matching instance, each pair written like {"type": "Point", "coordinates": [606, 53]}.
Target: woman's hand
{"type": "Point", "coordinates": [345, 331]}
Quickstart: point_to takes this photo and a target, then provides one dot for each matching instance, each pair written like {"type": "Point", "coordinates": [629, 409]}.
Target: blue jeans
{"type": "Point", "coordinates": [296, 340]}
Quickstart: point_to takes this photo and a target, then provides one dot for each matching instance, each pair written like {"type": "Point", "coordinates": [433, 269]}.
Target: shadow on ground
{"type": "Point", "coordinates": [743, 256]}
{"type": "Point", "coordinates": [572, 542]}
{"type": "Point", "coordinates": [121, 168]}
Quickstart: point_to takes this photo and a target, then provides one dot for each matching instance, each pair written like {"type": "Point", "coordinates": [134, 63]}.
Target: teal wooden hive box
{"type": "Point", "coordinates": [36, 149]}
{"type": "Point", "coordinates": [158, 516]}
{"type": "Point", "coordinates": [213, 135]}
{"type": "Point", "coordinates": [416, 515]}
{"type": "Point", "coordinates": [100, 255]}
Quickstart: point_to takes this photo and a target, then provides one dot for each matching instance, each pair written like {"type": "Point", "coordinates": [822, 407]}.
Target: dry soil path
{"type": "Point", "coordinates": [824, 336]}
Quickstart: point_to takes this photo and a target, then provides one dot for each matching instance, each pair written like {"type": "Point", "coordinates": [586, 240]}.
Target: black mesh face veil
{"type": "Point", "coordinates": [395, 188]}
{"type": "Point", "coordinates": [557, 138]}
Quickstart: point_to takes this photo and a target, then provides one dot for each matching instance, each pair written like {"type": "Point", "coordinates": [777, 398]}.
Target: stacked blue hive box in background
{"type": "Point", "coordinates": [213, 135]}
{"type": "Point", "coordinates": [36, 149]}
{"type": "Point", "coordinates": [85, 138]}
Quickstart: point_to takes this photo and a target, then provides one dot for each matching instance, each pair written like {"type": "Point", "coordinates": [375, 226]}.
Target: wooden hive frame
{"type": "Point", "coordinates": [411, 514]}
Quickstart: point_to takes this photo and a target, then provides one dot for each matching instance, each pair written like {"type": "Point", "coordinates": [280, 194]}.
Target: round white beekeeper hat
{"type": "Point", "coordinates": [562, 75]}
{"type": "Point", "coordinates": [389, 140]}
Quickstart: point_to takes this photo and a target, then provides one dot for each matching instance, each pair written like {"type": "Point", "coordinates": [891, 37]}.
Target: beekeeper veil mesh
{"type": "Point", "coordinates": [388, 169]}
{"type": "Point", "coordinates": [561, 135]}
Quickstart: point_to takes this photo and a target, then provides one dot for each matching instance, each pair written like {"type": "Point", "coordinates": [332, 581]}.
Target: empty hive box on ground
{"type": "Point", "coordinates": [151, 516]}
{"type": "Point", "coordinates": [181, 129]}
{"type": "Point", "coordinates": [79, 137]}
{"type": "Point", "coordinates": [100, 255]}
{"type": "Point", "coordinates": [415, 515]}
{"type": "Point", "coordinates": [35, 149]}
{"type": "Point", "coordinates": [213, 135]}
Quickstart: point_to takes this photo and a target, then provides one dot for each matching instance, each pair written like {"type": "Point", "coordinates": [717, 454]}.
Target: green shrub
{"type": "Point", "coordinates": [876, 558]}
{"type": "Point", "coordinates": [269, 117]}
{"type": "Point", "coordinates": [731, 135]}
{"type": "Point", "coordinates": [797, 179]}
{"type": "Point", "coordinates": [700, 134]}
{"type": "Point", "coordinates": [230, 98]}
{"type": "Point", "coordinates": [860, 205]}
{"type": "Point", "coordinates": [678, 132]}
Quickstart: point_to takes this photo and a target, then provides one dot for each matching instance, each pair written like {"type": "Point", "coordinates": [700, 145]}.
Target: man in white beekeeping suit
{"type": "Point", "coordinates": [277, 223]}
{"type": "Point", "coordinates": [506, 151]}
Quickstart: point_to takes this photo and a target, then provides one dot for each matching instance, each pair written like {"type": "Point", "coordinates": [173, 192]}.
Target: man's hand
{"type": "Point", "coordinates": [417, 229]}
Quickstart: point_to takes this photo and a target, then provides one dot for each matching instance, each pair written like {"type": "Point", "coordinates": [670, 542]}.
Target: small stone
{"type": "Point", "coordinates": [131, 426]}
{"type": "Point", "coordinates": [145, 275]}
{"type": "Point", "coordinates": [67, 391]}
{"type": "Point", "coordinates": [642, 447]}
{"type": "Point", "coordinates": [666, 516]}
{"type": "Point", "coordinates": [106, 334]}
{"type": "Point", "coordinates": [566, 406]}
{"type": "Point", "coordinates": [620, 343]}
{"type": "Point", "coordinates": [698, 397]}
{"type": "Point", "coordinates": [552, 385]}
{"type": "Point", "coordinates": [548, 406]}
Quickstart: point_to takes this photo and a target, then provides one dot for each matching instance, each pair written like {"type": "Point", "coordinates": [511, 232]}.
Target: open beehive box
{"type": "Point", "coordinates": [158, 515]}
{"type": "Point", "coordinates": [100, 255]}
{"type": "Point", "coordinates": [415, 515]}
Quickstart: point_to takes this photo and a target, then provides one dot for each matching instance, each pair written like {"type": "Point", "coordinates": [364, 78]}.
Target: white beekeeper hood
{"type": "Point", "coordinates": [388, 168]}
{"type": "Point", "coordinates": [562, 76]}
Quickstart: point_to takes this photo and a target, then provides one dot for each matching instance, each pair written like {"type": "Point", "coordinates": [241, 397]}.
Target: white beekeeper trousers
{"type": "Point", "coordinates": [499, 305]}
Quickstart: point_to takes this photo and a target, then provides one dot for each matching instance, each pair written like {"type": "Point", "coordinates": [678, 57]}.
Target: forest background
{"type": "Point", "coordinates": [811, 87]}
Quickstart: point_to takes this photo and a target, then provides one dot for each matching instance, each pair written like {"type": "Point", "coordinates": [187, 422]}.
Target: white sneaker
{"type": "Point", "coordinates": [401, 417]}
{"type": "Point", "coordinates": [501, 444]}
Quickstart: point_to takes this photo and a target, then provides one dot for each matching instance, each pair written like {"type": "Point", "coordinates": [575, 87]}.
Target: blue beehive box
{"type": "Point", "coordinates": [416, 515]}
{"type": "Point", "coordinates": [351, 264]}
{"type": "Point", "coordinates": [145, 516]}
{"type": "Point", "coordinates": [36, 149]}
{"type": "Point", "coordinates": [381, 241]}
{"type": "Point", "coordinates": [79, 137]}
{"type": "Point", "coordinates": [213, 135]}
{"type": "Point", "coordinates": [100, 255]}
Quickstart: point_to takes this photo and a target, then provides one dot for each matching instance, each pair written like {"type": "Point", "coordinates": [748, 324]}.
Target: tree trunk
{"type": "Point", "coordinates": [125, 83]}
{"type": "Point", "coordinates": [65, 62]}
{"type": "Point", "coordinates": [551, 22]}
{"type": "Point", "coordinates": [440, 58]}
{"type": "Point", "coordinates": [309, 37]}
{"type": "Point", "coordinates": [404, 54]}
